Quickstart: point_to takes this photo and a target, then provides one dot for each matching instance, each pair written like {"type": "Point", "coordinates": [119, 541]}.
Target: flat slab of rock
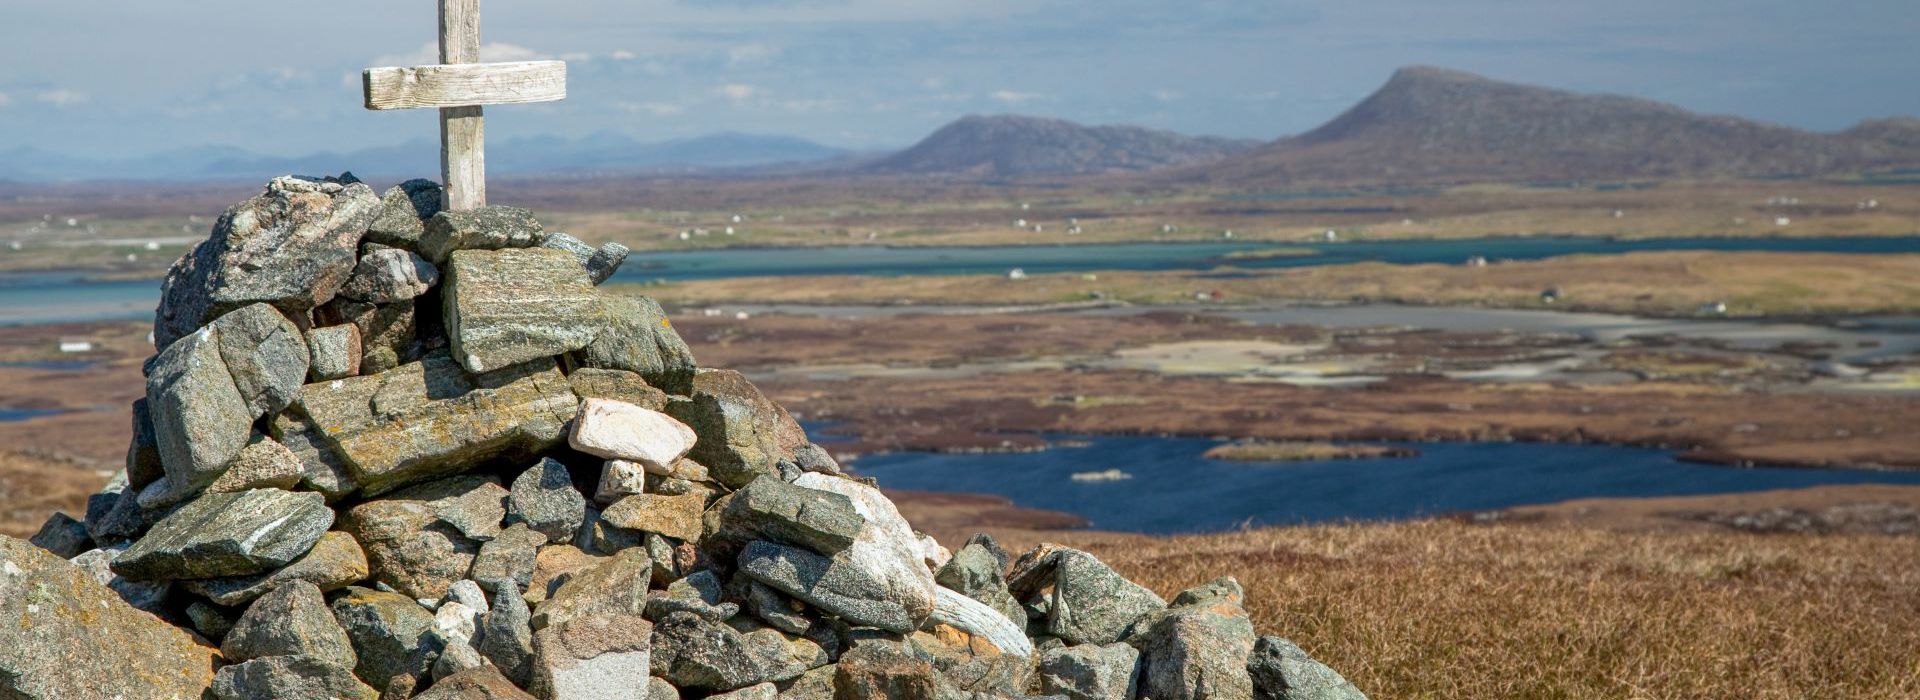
{"type": "Point", "coordinates": [505, 307]}
{"type": "Point", "coordinates": [833, 585]}
{"type": "Point", "coordinates": [677, 517]}
{"type": "Point", "coordinates": [291, 246]}
{"type": "Point", "coordinates": [886, 549]}
{"type": "Point", "coordinates": [68, 636]}
{"type": "Point", "coordinates": [623, 431]}
{"type": "Point", "coordinates": [485, 228]}
{"type": "Point", "coordinates": [228, 534]}
{"type": "Point", "coordinates": [335, 561]}
{"type": "Point", "coordinates": [430, 418]}
{"type": "Point", "coordinates": [290, 677]}
{"type": "Point", "coordinates": [822, 521]}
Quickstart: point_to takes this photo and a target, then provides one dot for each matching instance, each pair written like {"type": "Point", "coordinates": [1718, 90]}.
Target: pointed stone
{"type": "Point", "coordinates": [1199, 648]}
{"type": "Point", "coordinates": [63, 536]}
{"type": "Point", "coordinates": [742, 433]}
{"type": "Point", "coordinates": [391, 634]}
{"type": "Point", "coordinates": [506, 637]}
{"type": "Point", "coordinates": [506, 562]}
{"type": "Point", "coordinates": [263, 464]}
{"type": "Point", "coordinates": [292, 620]}
{"type": "Point", "coordinates": [1281, 670]}
{"type": "Point", "coordinates": [544, 498]}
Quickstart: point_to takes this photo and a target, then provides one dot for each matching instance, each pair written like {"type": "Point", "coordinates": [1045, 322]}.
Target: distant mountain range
{"type": "Point", "coordinates": [1012, 146]}
{"type": "Point", "coordinates": [604, 153]}
{"type": "Point", "coordinates": [1424, 126]}
{"type": "Point", "coordinates": [1431, 125]}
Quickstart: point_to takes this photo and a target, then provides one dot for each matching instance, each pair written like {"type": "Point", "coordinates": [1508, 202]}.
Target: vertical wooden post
{"type": "Point", "coordinates": [463, 165]}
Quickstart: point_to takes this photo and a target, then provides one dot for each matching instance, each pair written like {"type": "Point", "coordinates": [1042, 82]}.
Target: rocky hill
{"type": "Point", "coordinates": [1012, 146]}
{"type": "Point", "coordinates": [1431, 125]}
{"type": "Point", "coordinates": [388, 451]}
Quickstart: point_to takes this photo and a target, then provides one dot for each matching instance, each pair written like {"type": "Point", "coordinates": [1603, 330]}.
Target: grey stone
{"type": "Point", "coordinates": [322, 468]}
{"type": "Point", "coordinates": [1281, 670]}
{"type": "Point", "coordinates": [978, 571]}
{"type": "Point", "coordinates": [456, 656]}
{"type": "Point", "coordinates": [469, 593]}
{"type": "Point", "coordinates": [821, 521]}
{"type": "Point", "coordinates": [617, 385]}
{"type": "Point", "coordinates": [486, 228]}
{"type": "Point", "coordinates": [150, 596]}
{"type": "Point", "coordinates": [699, 593]}
{"type": "Point", "coordinates": [1090, 603]}
{"type": "Point", "coordinates": [388, 275]}
{"type": "Point", "coordinates": [390, 334]}
{"type": "Point", "coordinates": [228, 534]}
{"type": "Point", "coordinates": [430, 418]}
{"type": "Point", "coordinates": [289, 677]}
{"type": "Point", "coordinates": [265, 354]}
{"type": "Point", "coordinates": [505, 307]}
{"type": "Point", "coordinates": [404, 210]}
{"type": "Point", "coordinates": [336, 352]}
{"type": "Point", "coordinates": [391, 634]}
{"type": "Point", "coordinates": [742, 433]}
{"type": "Point", "coordinates": [967, 664]}
{"type": "Point", "coordinates": [335, 561]}
{"type": "Point", "coordinates": [143, 464]}
{"type": "Point", "coordinates": [292, 246]}
{"type": "Point", "coordinates": [637, 337]}
{"type": "Point", "coordinates": [484, 683]}
{"type": "Point", "coordinates": [777, 609]}
{"type": "Point", "coordinates": [211, 621]}
{"type": "Point", "coordinates": [814, 458]}
{"type": "Point", "coordinates": [786, 655]}
{"type": "Point", "coordinates": [764, 691]}
{"type": "Point", "coordinates": [263, 464]}
{"type": "Point", "coordinates": [200, 419]}
{"type": "Point", "coordinates": [544, 498]}
{"type": "Point", "coordinates": [422, 539]}
{"type": "Point", "coordinates": [63, 536]}
{"type": "Point", "coordinates": [593, 657]}
{"type": "Point", "coordinates": [508, 559]}
{"type": "Point", "coordinates": [606, 261]}
{"type": "Point", "coordinates": [692, 652]}
{"type": "Point", "coordinates": [616, 586]}
{"type": "Point", "coordinates": [833, 585]}
{"type": "Point", "coordinates": [65, 632]}
{"type": "Point", "coordinates": [506, 637]}
{"type": "Point", "coordinates": [1198, 649]}
{"type": "Point", "coordinates": [291, 620]}
{"type": "Point", "coordinates": [1091, 672]}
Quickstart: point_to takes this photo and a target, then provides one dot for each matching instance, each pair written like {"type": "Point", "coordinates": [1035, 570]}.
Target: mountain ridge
{"type": "Point", "coordinates": [1014, 146]}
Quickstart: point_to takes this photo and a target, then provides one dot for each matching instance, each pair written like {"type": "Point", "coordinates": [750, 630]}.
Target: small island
{"type": "Point", "coordinates": [1303, 451]}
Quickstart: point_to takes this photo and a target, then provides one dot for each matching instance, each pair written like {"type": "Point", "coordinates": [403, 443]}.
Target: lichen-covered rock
{"type": "Point", "coordinates": [200, 418]}
{"type": "Point", "coordinates": [742, 433]}
{"type": "Point", "coordinates": [886, 549]}
{"type": "Point", "coordinates": [885, 671]}
{"type": "Point", "coordinates": [391, 634]}
{"type": "Point", "coordinates": [506, 637]}
{"type": "Point", "coordinates": [616, 385]}
{"type": "Point", "coordinates": [335, 352]}
{"type": "Point", "coordinates": [1198, 648]}
{"type": "Point", "coordinates": [678, 517]}
{"type": "Point", "coordinates": [334, 561]}
{"type": "Point", "coordinates": [593, 657]}
{"type": "Point", "coordinates": [263, 464]}
{"type": "Point", "coordinates": [228, 534]}
{"type": "Point", "coordinates": [388, 275]}
{"type": "Point", "coordinates": [67, 635]}
{"type": "Point", "coordinates": [968, 663]}
{"type": "Point", "coordinates": [616, 586]}
{"type": "Point", "coordinates": [292, 246]}
{"type": "Point", "coordinates": [390, 334]}
{"type": "Point", "coordinates": [484, 683]}
{"type": "Point", "coordinates": [637, 337]}
{"type": "Point", "coordinates": [404, 210]}
{"type": "Point", "coordinates": [1281, 670]}
{"type": "Point", "coordinates": [485, 228]}
{"type": "Point", "coordinates": [690, 651]}
{"type": "Point", "coordinates": [623, 431]}
{"type": "Point", "coordinates": [505, 307]}
{"type": "Point", "coordinates": [1090, 603]}
{"type": "Point", "coordinates": [1091, 672]}
{"type": "Point", "coordinates": [506, 562]}
{"type": "Point", "coordinates": [544, 498]}
{"type": "Point", "coordinates": [429, 419]}
{"type": "Point", "coordinates": [290, 677]}
{"type": "Point", "coordinates": [822, 521]}
{"type": "Point", "coordinates": [291, 620]}
{"type": "Point", "coordinates": [422, 539]}
{"type": "Point", "coordinates": [265, 353]}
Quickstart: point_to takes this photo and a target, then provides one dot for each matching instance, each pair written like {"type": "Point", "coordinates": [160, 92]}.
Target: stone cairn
{"type": "Point", "coordinates": [389, 452]}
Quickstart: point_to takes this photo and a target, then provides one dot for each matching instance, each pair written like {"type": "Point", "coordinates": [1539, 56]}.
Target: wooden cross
{"type": "Point", "coordinates": [459, 85]}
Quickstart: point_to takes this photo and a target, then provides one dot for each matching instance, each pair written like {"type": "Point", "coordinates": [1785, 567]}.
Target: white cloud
{"type": "Point", "coordinates": [429, 53]}
{"type": "Point", "coordinates": [658, 109]}
{"type": "Point", "coordinates": [62, 97]}
{"type": "Point", "coordinates": [623, 55]}
{"type": "Point", "coordinates": [1013, 98]}
{"type": "Point", "coordinates": [736, 91]}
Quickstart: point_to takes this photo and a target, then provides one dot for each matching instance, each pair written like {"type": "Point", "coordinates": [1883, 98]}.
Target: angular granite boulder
{"type": "Point", "coordinates": [228, 534]}
{"type": "Point", "coordinates": [505, 307]}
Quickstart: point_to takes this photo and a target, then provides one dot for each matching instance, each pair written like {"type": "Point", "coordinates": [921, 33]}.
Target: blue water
{"type": "Point", "coordinates": [1174, 490]}
{"type": "Point", "coordinates": [66, 297]}
{"type": "Point", "coordinates": [8, 415]}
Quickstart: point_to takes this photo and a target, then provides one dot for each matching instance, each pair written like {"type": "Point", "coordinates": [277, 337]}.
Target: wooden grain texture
{"type": "Point", "coordinates": [463, 158]}
{"type": "Point", "coordinates": [459, 31]}
{"type": "Point", "coordinates": [465, 84]}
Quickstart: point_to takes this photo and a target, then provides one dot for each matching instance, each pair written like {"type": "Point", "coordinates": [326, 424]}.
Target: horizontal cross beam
{"type": "Point", "coordinates": [465, 84]}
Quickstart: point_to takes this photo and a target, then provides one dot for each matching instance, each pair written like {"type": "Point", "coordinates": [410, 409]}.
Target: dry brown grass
{"type": "Point", "coordinates": [1445, 609]}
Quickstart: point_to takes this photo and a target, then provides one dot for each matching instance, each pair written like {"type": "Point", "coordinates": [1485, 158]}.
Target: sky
{"type": "Point", "coordinates": [124, 78]}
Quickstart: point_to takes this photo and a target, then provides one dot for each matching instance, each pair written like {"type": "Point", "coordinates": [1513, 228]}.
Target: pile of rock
{"type": "Point", "coordinates": [388, 451]}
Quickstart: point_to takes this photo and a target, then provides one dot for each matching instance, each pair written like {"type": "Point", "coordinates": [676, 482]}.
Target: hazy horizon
{"type": "Point", "coordinates": [872, 74]}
